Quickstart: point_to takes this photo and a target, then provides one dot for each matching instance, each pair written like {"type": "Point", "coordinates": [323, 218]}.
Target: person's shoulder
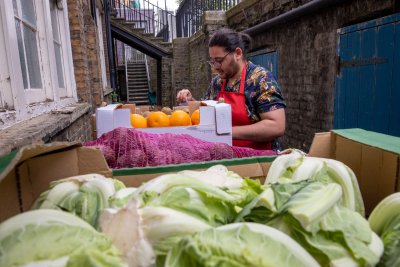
{"type": "Point", "coordinates": [254, 68]}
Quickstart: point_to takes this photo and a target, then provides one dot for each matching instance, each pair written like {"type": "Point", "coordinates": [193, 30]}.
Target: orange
{"type": "Point", "coordinates": [180, 118]}
{"type": "Point", "coordinates": [196, 117]}
{"type": "Point", "coordinates": [158, 119]}
{"type": "Point", "coordinates": [138, 121]}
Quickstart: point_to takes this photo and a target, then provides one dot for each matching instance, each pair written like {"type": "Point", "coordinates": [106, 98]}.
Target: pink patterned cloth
{"type": "Point", "coordinates": [126, 148]}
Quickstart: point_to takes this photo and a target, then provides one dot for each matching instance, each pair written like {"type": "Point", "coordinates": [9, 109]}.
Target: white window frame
{"type": "Point", "coordinates": [27, 103]}
{"type": "Point", "coordinates": [99, 20]}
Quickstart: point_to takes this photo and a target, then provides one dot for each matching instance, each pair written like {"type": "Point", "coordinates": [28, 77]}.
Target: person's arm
{"type": "Point", "coordinates": [268, 100]}
{"type": "Point", "coordinates": [271, 126]}
{"type": "Point", "coordinates": [185, 95]}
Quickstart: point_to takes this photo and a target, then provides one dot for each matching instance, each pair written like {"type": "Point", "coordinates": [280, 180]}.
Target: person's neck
{"type": "Point", "coordinates": [238, 74]}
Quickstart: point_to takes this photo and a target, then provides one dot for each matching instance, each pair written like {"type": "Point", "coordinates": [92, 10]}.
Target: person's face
{"type": "Point", "coordinates": [223, 61]}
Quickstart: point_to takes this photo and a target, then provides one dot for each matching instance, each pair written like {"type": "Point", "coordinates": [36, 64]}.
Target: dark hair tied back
{"type": "Point", "coordinates": [230, 40]}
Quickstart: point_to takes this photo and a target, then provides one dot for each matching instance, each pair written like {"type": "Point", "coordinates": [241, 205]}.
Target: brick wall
{"type": "Point", "coordinates": [181, 63]}
{"type": "Point", "coordinates": [199, 69]}
{"type": "Point", "coordinates": [167, 98]}
{"type": "Point", "coordinates": [307, 57]}
{"type": "Point", "coordinates": [85, 43]}
{"type": "Point", "coordinates": [153, 72]}
{"type": "Point", "coordinates": [191, 69]}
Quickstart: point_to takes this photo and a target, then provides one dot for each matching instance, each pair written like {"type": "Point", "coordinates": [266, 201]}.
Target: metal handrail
{"type": "Point", "coordinates": [150, 17]}
{"type": "Point", "coordinates": [189, 13]}
{"type": "Point", "coordinates": [147, 71]}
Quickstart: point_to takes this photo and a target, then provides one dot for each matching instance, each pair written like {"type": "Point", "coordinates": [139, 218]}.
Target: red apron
{"type": "Point", "coordinates": [239, 113]}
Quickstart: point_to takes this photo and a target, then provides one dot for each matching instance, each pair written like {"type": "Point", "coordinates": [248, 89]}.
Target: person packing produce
{"type": "Point", "coordinates": [258, 107]}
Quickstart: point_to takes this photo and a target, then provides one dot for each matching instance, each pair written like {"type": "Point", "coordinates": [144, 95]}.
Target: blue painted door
{"type": "Point", "coordinates": [268, 60]}
{"type": "Point", "coordinates": [368, 84]}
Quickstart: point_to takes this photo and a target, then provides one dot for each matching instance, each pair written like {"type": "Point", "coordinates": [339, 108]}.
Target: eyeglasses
{"type": "Point", "coordinates": [217, 62]}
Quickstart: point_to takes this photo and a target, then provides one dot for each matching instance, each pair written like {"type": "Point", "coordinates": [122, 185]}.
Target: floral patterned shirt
{"type": "Point", "coordinates": [261, 91]}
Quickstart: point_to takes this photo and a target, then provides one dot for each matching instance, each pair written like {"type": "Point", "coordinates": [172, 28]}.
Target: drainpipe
{"type": "Point", "coordinates": [110, 45]}
{"type": "Point", "coordinates": [303, 10]}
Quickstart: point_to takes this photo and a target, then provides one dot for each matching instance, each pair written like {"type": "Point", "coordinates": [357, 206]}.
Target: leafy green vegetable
{"type": "Point", "coordinates": [241, 244]}
{"type": "Point", "coordinates": [84, 196]}
{"type": "Point", "coordinates": [385, 221]}
{"type": "Point", "coordinates": [297, 167]}
{"type": "Point", "coordinates": [54, 238]}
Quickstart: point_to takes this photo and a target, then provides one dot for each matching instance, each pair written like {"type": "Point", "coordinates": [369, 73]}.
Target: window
{"type": "Point", "coordinates": [101, 48]}
{"type": "Point", "coordinates": [37, 73]}
{"type": "Point", "coordinates": [26, 29]}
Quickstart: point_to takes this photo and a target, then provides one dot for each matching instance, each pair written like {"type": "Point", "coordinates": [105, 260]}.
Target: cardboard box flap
{"type": "Point", "coordinates": [254, 167]}
{"type": "Point", "coordinates": [9, 161]}
{"type": "Point", "coordinates": [26, 173]}
{"type": "Point", "coordinates": [322, 145]}
{"type": "Point", "coordinates": [378, 140]}
{"type": "Point", "coordinates": [373, 157]}
{"type": "Point", "coordinates": [223, 118]}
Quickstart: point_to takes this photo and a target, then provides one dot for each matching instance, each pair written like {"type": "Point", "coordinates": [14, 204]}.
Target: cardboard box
{"type": "Point", "coordinates": [373, 157]}
{"type": "Point", "coordinates": [252, 167]}
{"type": "Point", "coordinates": [215, 123]}
{"type": "Point", "coordinates": [26, 173]}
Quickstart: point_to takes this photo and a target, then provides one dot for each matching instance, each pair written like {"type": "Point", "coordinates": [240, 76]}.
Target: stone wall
{"type": "Point", "coordinates": [306, 49]}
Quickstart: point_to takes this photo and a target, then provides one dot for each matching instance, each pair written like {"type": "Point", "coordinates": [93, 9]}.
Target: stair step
{"type": "Point", "coordinates": [134, 93]}
{"type": "Point", "coordinates": [139, 76]}
{"type": "Point", "coordinates": [157, 39]}
{"type": "Point", "coordinates": [138, 96]}
{"type": "Point", "coordinates": [132, 81]}
{"type": "Point", "coordinates": [148, 34]}
{"type": "Point", "coordinates": [118, 19]}
{"type": "Point", "coordinates": [139, 30]}
{"type": "Point", "coordinates": [139, 90]}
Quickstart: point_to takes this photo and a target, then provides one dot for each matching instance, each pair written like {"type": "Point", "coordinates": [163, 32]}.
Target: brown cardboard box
{"type": "Point", "coordinates": [26, 173]}
{"type": "Point", "coordinates": [373, 157]}
{"type": "Point", "coordinates": [254, 167]}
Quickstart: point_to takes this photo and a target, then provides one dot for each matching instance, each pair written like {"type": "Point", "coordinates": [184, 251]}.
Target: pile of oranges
{"type": "Point", "coordinates": [161, 119]}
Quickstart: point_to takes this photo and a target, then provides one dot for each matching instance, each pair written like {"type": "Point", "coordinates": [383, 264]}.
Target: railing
{"type": "Point", "coordinates": [134, 56]}
{"type": "Point", "coordinates": [151, 18]}
{"type": "Point", "coordinates": [188, 16]}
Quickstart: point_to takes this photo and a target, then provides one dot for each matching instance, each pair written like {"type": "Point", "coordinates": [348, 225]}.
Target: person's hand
{"type": "Point", "coordinates": [184, 95]}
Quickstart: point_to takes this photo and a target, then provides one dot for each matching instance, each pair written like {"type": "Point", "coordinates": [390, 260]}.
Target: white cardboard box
{"type": "Point", "coordinates": [215, 122]}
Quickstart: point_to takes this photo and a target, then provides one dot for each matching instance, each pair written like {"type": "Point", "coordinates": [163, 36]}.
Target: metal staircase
{"type": "Point", "coordinates": [147, 29]}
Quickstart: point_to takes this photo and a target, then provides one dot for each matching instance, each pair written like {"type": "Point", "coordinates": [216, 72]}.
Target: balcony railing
{"type": "Point", "coordinates": [189, 14]}
{"type": "Point", "coordinates": [147, 16]}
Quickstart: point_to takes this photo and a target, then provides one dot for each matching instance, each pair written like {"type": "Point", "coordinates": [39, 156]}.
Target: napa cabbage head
{"type": "Point", "coordinates": [312, 213]}
{"type": "Point", "coordinates": [44, 238]}
{"type": "Point", "coordinates": [83, 195]}
{"type": "Point", "coordinates": [216, 203]}
{"type": "Point", "coordinates": [385, 221]}
{"type": "Point", "coordinates": [296, 167]}
{"type": "Point", "coordinates": [146, 234]}
{"type": "Point", "coordinates": [239, 244]}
